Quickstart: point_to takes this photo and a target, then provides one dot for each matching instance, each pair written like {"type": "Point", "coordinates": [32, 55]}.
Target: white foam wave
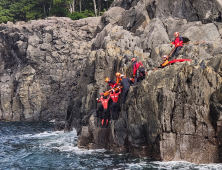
{"type": "Point", "coordinates": [63, 142]}
{"type": "Point", "coordinates": [183, 165]}
{"type": "Point", "coordinates": [47, 134]}
{"type": "Point", "coordinates": [137, 165]}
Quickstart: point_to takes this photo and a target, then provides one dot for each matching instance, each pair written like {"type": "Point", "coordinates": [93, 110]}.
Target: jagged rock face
{"type": "Point", "coordinates": [41, 62]}
{"type": "Point", "coordinates": [55, 68]}
{"type": "Point", "coordinates": [139, 12]}
{"type": "Point", "coordinates": [177, 117]}
{"type": "Point", "coordinates": [168, 117]}
{"type": "Point", "coordinates": [171, 115]}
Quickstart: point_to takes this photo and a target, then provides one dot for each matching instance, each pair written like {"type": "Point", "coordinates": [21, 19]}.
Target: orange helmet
{"type": "Point", "coordinates": [165, 56]}
{"type": "Point", "coordinates": [133, 59]}
{"type": "Point", "coordinates": [118, 74]}
{"type": "Point", "coordinates": [101, 94]}
{"type": "Point", "coordinates": [176, 33]}
{"type": "Point", "coordinates": [107, 79]}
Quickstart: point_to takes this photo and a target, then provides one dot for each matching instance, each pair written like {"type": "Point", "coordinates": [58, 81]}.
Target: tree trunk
{"type": "Point", "coordinates": [73, 6]}
{"type": "Point", "coordinates": [80, 5]}
{"type": "Point", "coordinates": [70, 7]}
{"type": "Point", "coordinates": [99, 6]}
{"type": "Point", "coordinates": [94, 2]}
{"type": "Point", "coordinates": [44, 8]}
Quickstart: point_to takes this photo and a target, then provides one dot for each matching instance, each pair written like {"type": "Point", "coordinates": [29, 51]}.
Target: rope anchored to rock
{"type": "Point", "coordinates": [195, 42]}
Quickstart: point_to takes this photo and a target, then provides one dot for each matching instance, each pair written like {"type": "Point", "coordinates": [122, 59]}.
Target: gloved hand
{"type": "Point", "coordinates": [97, 99]}
{"type": "Point", "coordinates": [133, 75]}
{"type": "Point", "coordinates": [178, 44]}
{"type": "Point", "coordinates": [171, 43]}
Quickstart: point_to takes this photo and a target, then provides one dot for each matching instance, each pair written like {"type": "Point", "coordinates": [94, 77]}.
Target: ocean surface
{"type": "Point", "coordinates": [35, 146]}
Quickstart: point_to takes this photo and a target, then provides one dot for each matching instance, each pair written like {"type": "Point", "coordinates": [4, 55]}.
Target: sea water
{"type": "Point", "coordinates": [35, 146]}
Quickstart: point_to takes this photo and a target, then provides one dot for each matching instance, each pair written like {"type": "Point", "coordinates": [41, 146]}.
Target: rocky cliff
{"type": "Point", "coordinates": [55, 68]}
{"type": "Point", "coordinates": [41, 63]}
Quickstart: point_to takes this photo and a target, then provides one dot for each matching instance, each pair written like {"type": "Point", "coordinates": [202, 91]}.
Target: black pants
{"type": "Point", "coordinates": [125, 92]}
{"type": "Point", "coordinates": [115, 111]}
{"type": "Point", "coordinates": [142, 76]}
{"type": "Point", "coordinates": [99, 110]}
{"type": "Point", "coordinates": [105, 115]}
{"type": "Point", "coordinates": [136, 76]}
{"type": "Point", "coordinates": [176, 51]}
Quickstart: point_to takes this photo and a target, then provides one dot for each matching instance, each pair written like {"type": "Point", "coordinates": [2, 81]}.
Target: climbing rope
{"type": "Point", "coordinates": [195, 42]}
{"type": "Point", "coordinates": [172, 52]}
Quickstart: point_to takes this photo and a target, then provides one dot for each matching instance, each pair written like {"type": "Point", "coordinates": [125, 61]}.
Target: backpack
{"type": "Point", "coordinates": [141, 68]}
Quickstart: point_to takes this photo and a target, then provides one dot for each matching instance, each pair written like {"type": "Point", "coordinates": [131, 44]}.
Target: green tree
{"type": "Point", "coordinates": [24, 10]}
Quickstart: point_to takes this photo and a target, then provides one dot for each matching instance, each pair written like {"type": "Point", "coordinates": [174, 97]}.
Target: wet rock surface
{"type": "Point", "coordinates": [55, 69]}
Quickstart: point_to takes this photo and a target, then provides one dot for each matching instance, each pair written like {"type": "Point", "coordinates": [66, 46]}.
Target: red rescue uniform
{"type": "Point", "coordinates": [112, 84]}
{"type": "Point", "coordinates": [178, 42]}
{"type": "Point", "coordinates": [104, 102]}
{"type": "Point", "coordinates": [115, 107]}
{"type": "Point", "coordinates": [135, 68]}
{"type": "Point", "coordinates": [115, 96]}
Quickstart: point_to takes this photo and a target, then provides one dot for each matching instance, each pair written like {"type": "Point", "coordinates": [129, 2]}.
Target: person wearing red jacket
{"type": "Point", "coordinates": [105, 116]}
{"type": "Point", "coordinates": [112, 83]}
{"type": "Point", "coordinates": [178, 42]}
{"type": "Point", "coordinates": [115, 107]}
{"type": "Point", "coordinates": [138, 70]}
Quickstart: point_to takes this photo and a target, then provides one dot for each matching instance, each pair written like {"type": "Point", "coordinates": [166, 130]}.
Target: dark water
{"type": "Point", "coordinates": [34, 145]}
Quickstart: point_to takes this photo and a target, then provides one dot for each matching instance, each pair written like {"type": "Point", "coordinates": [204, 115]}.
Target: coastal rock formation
{"type": "Point", "coordinates": [55, 69]}
{"type": "Point", "coordinates": [41, 62]}
{"type": "Point", "coordinates": [174, 114]}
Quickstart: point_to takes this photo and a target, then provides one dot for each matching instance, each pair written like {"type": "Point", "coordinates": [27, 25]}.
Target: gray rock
{"type": "Point", "coordinates": [113, 16]}
{"type": "Point", "coordinates": [55, 69]}
{"type": "Point", "coordinates": [39, 66]}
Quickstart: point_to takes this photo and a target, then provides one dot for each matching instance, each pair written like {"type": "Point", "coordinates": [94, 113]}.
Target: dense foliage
{"type": "Point", "coordinates": [24, 10]}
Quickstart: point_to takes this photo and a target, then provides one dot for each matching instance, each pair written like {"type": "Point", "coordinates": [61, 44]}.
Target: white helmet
{"type": "Point", "coordinates": [122, 75]}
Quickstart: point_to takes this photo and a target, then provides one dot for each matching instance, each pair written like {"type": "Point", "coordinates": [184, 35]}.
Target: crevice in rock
{"type": "Point", "coordinates": [156, 148]}
{"type": "Point", "coordinates": [165, 26]}
{"type": "Point", "coordinates": [151, 10]}
{"type": "Point", "coordinates": [171, 117]}
{"type": "Point", "coordinates": [217, 28]}
{"type": "Point", "coordinates": [219, 19]}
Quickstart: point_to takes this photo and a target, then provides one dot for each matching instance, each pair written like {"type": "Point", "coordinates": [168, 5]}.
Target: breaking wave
{"type": "Point", "coordinates": [26, 145]}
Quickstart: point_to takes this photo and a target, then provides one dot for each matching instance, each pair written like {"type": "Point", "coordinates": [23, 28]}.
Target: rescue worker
{"type": "Point", "coordinates": [112, 83]}
{"type": "Point", "coordinates": [165, 62]}
{"type": "Point", "coordinates": [138, 71]}
{"type": "Point", "coordinates": [118, 78]}
{"type": "Point", "coordinates": [115, 107]}
{"type": "Point", "coordinates": [178, 42]}
{"type": "Point", "coordinates": [105, 116]}
{"type": "Point", "coordinates": [100, 108]}
{"type": "Point", "coordinates": [125, 82]}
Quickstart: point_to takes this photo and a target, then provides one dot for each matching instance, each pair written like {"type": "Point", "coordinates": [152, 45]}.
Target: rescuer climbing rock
{"type": "Point", "coordinates": [178, 42]}
{"type": "Point", "coordinates": [115, 106]}
{"type": "Point", "coordinates": [105, 116]}
{"type": "Point", "coordinates": [125, 82]}
{"type": "Point", "coordinates": [138, 71]}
